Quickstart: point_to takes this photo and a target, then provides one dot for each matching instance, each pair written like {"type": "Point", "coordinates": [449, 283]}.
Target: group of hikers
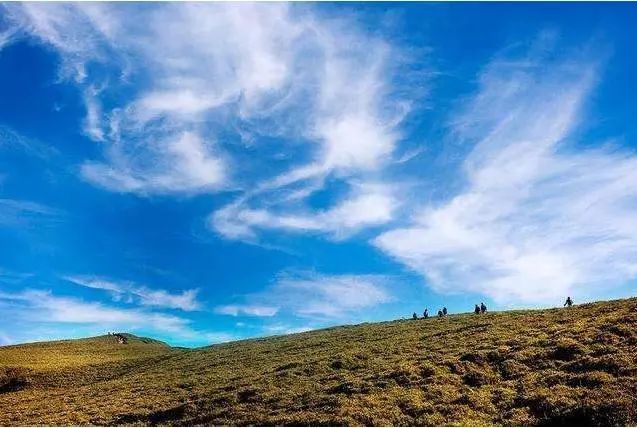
{"type": "Point", "coordinates": [441, 313]}
{"type": "Point", "coordinates": [481, 309]}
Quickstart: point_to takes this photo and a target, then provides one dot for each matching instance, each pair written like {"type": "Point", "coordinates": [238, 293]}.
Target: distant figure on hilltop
{"type": "Point", "coordinates": [425, 314]}
{"type": "Point", "coordinates": [440, 314]}
{"type": "Point", "coordinates": [568, 302]}
{"type": "Point", "coordinates": [444, 310]}
{"type": "Point", "coordinates": [477, 309]}
{"type": "Point", "coordinates": [483, 308]}
{"type": "Point", "coordinates": [415, 316]}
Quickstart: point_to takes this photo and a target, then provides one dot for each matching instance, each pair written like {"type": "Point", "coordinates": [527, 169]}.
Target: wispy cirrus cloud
{"type": "Point", "coordinates": [15, 212]}
{"type": "Point", "coordinates": [287, 329]}
{"type": "Point", "coordinates": [140, 294]}
{"type": "Point", "coordinates": [279, 102]}
{"type": "Point", "coordinates": [51, 314]}
{"type": "Point", "coordinates": [7, 33]}
{"type": "Point", "coordinates": [356, 124]}
{"type": "Point", "coordinates": [332, 296]}
{"type": "Point", "coordinates": [39, 306]}
{"type": "Point", "coordinates": [366, 205]}
{"type": "Point", "coordinates": [251, 310]}
{"type": "Point", "coordinates": [315, 296]}
{"type": "Point", "coordinates": [22, 212]}
{"type": "Point", "coordinates": [203, 76]}
{"type": "Point", "coordinates": [5, 38]}
{"type": "Point", "coordinates": [11, 140]}
{"type": "Point", "coordinates": [538, 219]}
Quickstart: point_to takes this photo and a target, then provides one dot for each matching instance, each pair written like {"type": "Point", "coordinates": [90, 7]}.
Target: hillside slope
{"type": "Point", "coordinates": [574, 366]}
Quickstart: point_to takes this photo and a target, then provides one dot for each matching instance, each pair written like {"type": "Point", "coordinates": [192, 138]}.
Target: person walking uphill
{"type": "Point", "coordinates": [477, 310]}
{"type": "Point", "coordinates": [444, 310]}
{"type": "Point", "coordinates": [483, 308]}
{"type": "Point", "coordinates": [568, 302]}
{"type": "Point", "coordinates": [425, 314]}
{"type": "Point", "coordinates": [415, 316]}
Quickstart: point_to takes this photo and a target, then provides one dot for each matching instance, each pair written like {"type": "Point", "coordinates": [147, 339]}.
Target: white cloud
{"type": "Point", "coordinates": [7, 37]}
{"type": "Point", "coordinates": [195, 70]}
{"type": "Point", "coordinates": [368, 205]}
{"type": "Point", "coordinates": [183, 163]}
{"type": "Point", "coordinates": [9, 276]}
{"type": "Point", "coordinates": [186, 300]}
{"type": "Point", "coordinates": [332, 296]}
{"type": "Point", "coordinates": [11, 140]}
{"type": "Point", "coordinates": [537, 220]}
{"type": "Point", "coordinates": [219, 337]}
{"type": "Point", "coordinates": [253, 310]}
{"type": "Point", "coordinates": [37, 306]}
{"type": "Point", "coordinates": [73, 34]}
{"type": "Point", "coordinates": [41, 315]}
{"type": "Point", "coordinates": [321, 297]}
{"type": "Point", "coordinates": [93, 122]}
{"type": "Point", "coordinates": [355, 122]}
{"type": "Point", "coordinates": [15, 212]}
{"type": "Point", "coordinates": [286, 329]}
{"type": "Point", "coordinates": [355, 134]}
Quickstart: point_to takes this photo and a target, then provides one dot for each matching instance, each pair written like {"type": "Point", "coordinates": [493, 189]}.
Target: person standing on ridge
{"type": "Point", "coordinates": [440, 314]}
{"type": "Point", "coordinates": [415, 316]}
{"type": "Point", "coordinates": [425, 314]}
{"type": "Point", "coordinates": [444, 310]}
{"type": "Point", "coordinates": [568, 302]}
{"type": "Point", "coordinates": [483, 308]}
{"type": "Point", "coordinates": [477, 310]}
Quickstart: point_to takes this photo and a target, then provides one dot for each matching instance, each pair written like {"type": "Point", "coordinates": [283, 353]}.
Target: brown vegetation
{"type": "Point", "coordinates": [574, 366]}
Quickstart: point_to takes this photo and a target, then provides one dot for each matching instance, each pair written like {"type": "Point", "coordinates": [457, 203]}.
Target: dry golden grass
{"type": "Point", "coordinates": [574, 366]}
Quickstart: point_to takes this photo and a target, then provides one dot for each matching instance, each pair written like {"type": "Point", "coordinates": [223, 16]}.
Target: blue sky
{"type": "Point", "coordinates": [209, 172]}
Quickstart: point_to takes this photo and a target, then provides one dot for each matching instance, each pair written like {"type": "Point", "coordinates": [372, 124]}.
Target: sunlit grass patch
{"type": "Point", "coordinates": [575, 366]}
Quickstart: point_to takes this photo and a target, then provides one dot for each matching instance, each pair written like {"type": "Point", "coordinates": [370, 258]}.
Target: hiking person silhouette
{"type": "Point", "coordinates": [415, 316]}
{"type": "Point", "coordinates": [483, 308]}
{"type": "Point", "coordinates": [440, 315]}
{"type": "Point", "coordinates": [444, 310]}
{"type": "Point", "coordinates": [425, 314]}
{"type": "Point", "coordinates": [568, 302]}
{"type": "Point", "coordinates": [477, 310]}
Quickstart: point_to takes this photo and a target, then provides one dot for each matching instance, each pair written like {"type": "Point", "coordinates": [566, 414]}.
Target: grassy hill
{"type": "Point", "coordinates": [574, 366]}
